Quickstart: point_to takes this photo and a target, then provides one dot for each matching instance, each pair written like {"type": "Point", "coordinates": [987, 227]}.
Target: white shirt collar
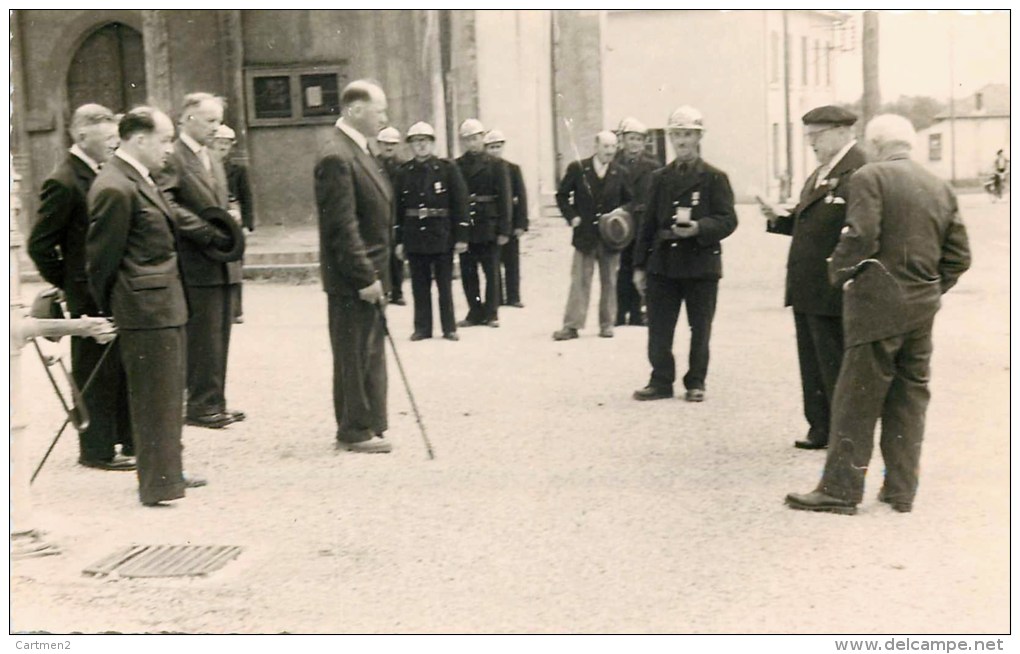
{"type": "Point", "coordinates": [134, 163]}
{"type": "Point", "coordinates": [600, 168]}
{"type": "Point", "coordinates": [357, 136]}
{"type": "Point", "coordinates": [824, 171]}
{"type": "Point", "coordinates": [78, 152]}
{"type": "Point", "coordinates": [194, 145]}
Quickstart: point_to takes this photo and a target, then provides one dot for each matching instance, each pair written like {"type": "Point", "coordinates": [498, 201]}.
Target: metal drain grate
{"type": "Point", "coordinates": [165, 560]}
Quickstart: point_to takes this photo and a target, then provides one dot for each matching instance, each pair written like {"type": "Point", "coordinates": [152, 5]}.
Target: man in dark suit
{"type": "Point", "coordinates": [194, 181]}
{"type": "Point", "coordinates": [133, 275]}
{"type": "Point", "coordinates": [491, 212]}
{"type": "Point", "coordinates": [904, 246]}
{"type": "Point", "coordinates": [510, 253]}
{"type": "Point", "coordinates": [590, 188]}
{"type": "Point", "coordinates": [432, 223]}
{"type": "Point", "coordinates": [57, 246]}
{"type": "Point", "coordinates": [389, 155]}
{"type": "Point", "coordinates": [678, 256]}
{"type": "Point", "coordinates": [355, 209]}
{"type": "Point", "coordinates": [815, 225]}
{"type": "Point", "coordinates": [639, 165]}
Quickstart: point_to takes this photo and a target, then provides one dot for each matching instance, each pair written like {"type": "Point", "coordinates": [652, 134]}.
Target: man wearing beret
{"type": "Point", "coordinates": [639, 166]}
{"type": "Point", "coordinates": [815, 225]}
{"type": "Point", "coordinates": [678, 256]}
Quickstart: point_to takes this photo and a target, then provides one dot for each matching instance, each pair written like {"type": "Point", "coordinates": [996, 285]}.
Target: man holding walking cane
{"type": "Point", "coordinates": [355, 212]}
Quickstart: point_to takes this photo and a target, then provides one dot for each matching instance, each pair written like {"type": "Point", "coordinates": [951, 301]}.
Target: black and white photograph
{"type": "Point", "coordinates": [519, 321]}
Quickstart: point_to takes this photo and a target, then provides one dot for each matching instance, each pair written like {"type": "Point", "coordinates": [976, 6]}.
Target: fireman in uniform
{"type": "Point", "coordinates": [678, 256]}
{"type": "Point", "coordinates": [431, 224]}
{"type": "Point", "coordinates": [510, 254]}
{"type": "Point", "coordinates": [639, 166]}
{"type": "Point", "coordinates": [491, 211]}
{"type": "Point", "coordinates": [389, 144]}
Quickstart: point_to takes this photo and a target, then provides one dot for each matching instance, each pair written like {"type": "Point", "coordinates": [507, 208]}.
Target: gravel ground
{"type": "Point", "coordinates": [555, 502]}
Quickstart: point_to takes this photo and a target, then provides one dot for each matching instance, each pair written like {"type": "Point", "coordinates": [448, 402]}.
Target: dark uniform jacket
{"type": "Point", "coordinates": [240, 192]}
{"type": "Point", "coordinates": [639, 178]}
{"type": "Point", "coordinates": [392, 167]}
{"type": "Point", "coordinates": [192, 189]}
{"type": "Point", "coordinates": [57, 242]}
{"type": "Point", "coordinates": [520, 196]}
{"type": "Point", "coordinates": [432, 206]}
{"type": "Point", "coordinates": [582, 194]}
{"type": "Point", "coordinates": [903, 247]}
{"type": "Point", "coordinates": [706, 191]}
{"type": "Point", "coordinates": [490, 201]}
{"type": "Point", "coordinates": [131, 253]}
{"type": "Point", "coordinates": [815, 225]}
{"type": "Point", "coordinates": [355, 208]}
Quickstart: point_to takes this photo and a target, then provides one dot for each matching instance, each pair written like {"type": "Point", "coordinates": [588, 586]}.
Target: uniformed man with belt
{"type": "Point", "coordinates": [678, 257]}
{"type": "Point", "coordinates": [639, 166]}
{"type": "Point", "coordinates": [510, 254]}
{"type": "Point", "coordinates": [432, 223]}
{"type": "Point", "coordinates": [389, 144]}
{"type": "Point", "coordinates": [490, 210]}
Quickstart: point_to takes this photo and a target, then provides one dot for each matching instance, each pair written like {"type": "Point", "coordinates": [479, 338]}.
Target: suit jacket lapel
{"type": "Point", "coordinates": [151, 193]}
{"type": "Point", "coordinates": [196, 168]}
{"type": "Point", "coordinates": [370, 165]}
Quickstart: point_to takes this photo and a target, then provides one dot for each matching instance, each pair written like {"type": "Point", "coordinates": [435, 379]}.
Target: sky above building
{"type": "Point", "coordinates": [930, 52]}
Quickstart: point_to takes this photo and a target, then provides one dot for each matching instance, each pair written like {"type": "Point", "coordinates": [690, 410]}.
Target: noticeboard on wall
{"type": "Point", "coordinates": [305, 95]}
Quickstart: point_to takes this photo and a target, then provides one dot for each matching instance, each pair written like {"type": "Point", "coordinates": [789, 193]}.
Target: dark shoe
{"type": "Point", "coordinates": [518, 304]}
{"type": "Point", "coordinates": [238, 320]}
{"type": "Point", "coordinates": [117, 462]}
{"type": "Point", "coordinates": [653, 393]}
{"type": "Point", "coordinates": [451, 336]}
{"type": "Point", "coordinates": [819, 501]}
{"type": "Point", "coordinates": [899, 507]}
{"type": "Point", "coordinates": [606, 332]}
{"type": "Point", "coordinates": [237, 416]}
{"type": "Point", "coordinates": [565, 334]}
{"type": "Point", "coordinates": [192, 481]}
{"type": "Point", "coordinates": [418, 336]}
{"type": "Point", "coordinates": [467, 323]}
{"type": "Point", "coordinates": [212, 421]}
{"type": "Point", "coordinates": [808, 444]}
{"type": "Point", "coordinates": [492, 323]}
{"type": "Point", "coordinates": [695, 395]}
{"type": "Point", "coordinates": [377, 445]}
{"type": "Point", "coordinates": [399, 301]}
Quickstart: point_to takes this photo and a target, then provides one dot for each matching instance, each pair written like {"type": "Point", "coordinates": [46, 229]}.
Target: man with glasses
{"type": "Point", "coordinates": [815, 225]}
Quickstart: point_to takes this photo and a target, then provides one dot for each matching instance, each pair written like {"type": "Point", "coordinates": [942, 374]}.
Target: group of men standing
{"type": "Point", "coordinates": [136, 225]}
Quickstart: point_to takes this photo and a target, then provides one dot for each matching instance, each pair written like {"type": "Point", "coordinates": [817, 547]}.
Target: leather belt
{"type": "Point", "coordinates": [425, 213]}
{"type": "Point", "coordinates": [483, 198]}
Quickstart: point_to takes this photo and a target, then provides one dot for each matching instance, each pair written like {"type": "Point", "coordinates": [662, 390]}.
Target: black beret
{"type": "Point", "coordinates": [829, 115]}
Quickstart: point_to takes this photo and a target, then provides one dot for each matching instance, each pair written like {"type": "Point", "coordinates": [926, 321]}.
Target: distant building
{"type": "Point", "coordinates": [549, 79]}
{"type": "Point", "coordinates": [981, 127]}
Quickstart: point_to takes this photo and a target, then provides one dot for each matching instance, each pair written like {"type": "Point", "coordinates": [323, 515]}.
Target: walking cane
{"type": "Point", "coordinates": [79, 399]}
{"type": "Point", "coordinates": [410, 395]}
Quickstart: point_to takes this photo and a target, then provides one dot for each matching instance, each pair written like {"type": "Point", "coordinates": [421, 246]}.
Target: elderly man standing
{"type": "Point", "coordinates": [815, 225]}
{"type": "Point", "coordinates": [678, 256]}
{"type": "Point", "coordinates": [355, 206]}
{"type": "Point", "coordinates": [639, 165]}
{"type": "Point", "coordinates": [57, 247]}
{"type": "Point", "coordinates": [510, 254]}
{"type": "Point", "coordinates": [491, 212]}
{"type": "Point", "coordinates": [195, 181]}
{"type": "Point", "coordinates": [904, 246]}
{"type": "Point", "coordinates": [389, 146]}
{"type": "Point", "coordinates": [590, 188]}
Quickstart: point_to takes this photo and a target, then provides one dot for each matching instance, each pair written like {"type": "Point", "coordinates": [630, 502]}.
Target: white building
{"type": "Point", "coordinates": [980, 127]}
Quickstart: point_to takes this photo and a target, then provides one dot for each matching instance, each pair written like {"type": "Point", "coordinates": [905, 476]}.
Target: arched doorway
{"type": "Point", "coordinates": [109, 69]}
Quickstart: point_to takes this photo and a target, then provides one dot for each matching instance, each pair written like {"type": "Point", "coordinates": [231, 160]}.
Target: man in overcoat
{"type": "Point", "coordinates": [904, 246]}
{"type": "Point", "coordinates": [639, 165]}
{"type": "Point", "coordinates": [815, 225]}
{"type": "Point", "coordinates": [678, 256]}
{"type": "Point", "coordinates": [355, 210]}
{"type": "Point", "coordinates": [510, 253]}
{"type": "Point", "coordinates": [57, 247]}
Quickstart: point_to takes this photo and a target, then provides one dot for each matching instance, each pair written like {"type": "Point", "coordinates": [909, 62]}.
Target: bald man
{"type": "Point", "coordinates": [590, 188]}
